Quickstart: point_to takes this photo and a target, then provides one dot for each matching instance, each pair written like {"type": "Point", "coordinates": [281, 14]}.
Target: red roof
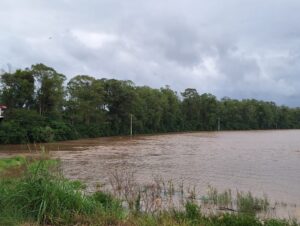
{"type": "Point", "coordinates": [3, 107]}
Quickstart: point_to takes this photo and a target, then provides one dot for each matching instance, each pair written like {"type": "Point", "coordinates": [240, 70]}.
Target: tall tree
{"type": "Point", "coordinates": [208, 112]}
{"type": "Point", "coordinates": [149, 110]}
{"type": "Point", "coordinates": [191, 109]}
{"type": "Point", "coordinates": [85, 100]}
{"type": "Point", "coordinates": [18, 89]}
{"type": "Point", "coordinates": [171, 118]}
{"type": "Point", "coordinates": [50, 90]}
{"type": "Point", "coordinates": [119, 102]}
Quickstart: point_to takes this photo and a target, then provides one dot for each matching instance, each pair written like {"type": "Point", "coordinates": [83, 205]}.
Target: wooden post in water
{"type": "Point", "coordinates": [219, 124]}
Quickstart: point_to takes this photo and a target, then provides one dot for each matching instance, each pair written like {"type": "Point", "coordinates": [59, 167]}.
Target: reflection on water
{"type": "Point", "coordinates": [258, 161]}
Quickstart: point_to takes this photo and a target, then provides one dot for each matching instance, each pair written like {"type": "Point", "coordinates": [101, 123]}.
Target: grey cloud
{"type": "Point", "coordinates": [242, 49]}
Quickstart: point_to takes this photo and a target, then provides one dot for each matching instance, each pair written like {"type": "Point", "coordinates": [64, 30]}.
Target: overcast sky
{"type": "Point", "coordinates": [235, 48]}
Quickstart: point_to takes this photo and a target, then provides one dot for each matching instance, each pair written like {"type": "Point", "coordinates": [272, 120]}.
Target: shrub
{"type": "Point", "coordinates": [192, 211]}
{"type": "Point", "coordinates": [248, 204]}
{"type": "Point", "coordinates": [43, 197]}
{"type": "Point", "coordinates": [63, 131]}
{"type": "Point", "coordinates": [42, 134]}
{"type": "Point", "coordinates": [12, 133]}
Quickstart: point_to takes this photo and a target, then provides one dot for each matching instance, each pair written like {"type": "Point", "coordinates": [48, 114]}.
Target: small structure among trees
{"type": "Point", "coordinates": [2, 108]}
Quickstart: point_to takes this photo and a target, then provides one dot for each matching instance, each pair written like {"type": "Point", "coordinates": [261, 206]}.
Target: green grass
{"type": "Point", "coordinates": [42, 196]}
{"type": "Point", "coordinates": [247, 203]}
{"type": "Point", "coordinates": [7, 163]}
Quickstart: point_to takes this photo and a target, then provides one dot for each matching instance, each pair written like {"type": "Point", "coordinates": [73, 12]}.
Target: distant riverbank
{"type": "Point", "coordinates": [41, 108]}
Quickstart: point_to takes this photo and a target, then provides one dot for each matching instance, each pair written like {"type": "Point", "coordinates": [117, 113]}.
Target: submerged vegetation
{"type": "Point", "coordinates": [40, 195]}
{"type": "Point", "coordinates": [42, 109]}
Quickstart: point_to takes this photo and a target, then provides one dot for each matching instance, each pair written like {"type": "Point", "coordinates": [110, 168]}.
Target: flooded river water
{"type": "Point", "coordinates": [263, 162]}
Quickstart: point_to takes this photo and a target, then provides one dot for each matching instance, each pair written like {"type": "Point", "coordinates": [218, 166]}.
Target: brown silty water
{"type": "Point", "coordinates": [263, 162]}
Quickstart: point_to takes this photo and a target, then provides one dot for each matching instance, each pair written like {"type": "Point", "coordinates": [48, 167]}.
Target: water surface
{"type": "Point", "coordinates": [263, 162]}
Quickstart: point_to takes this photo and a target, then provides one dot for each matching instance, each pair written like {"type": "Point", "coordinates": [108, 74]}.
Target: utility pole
{"type": "Point", "coordinates": [130, 124]}
{"type": "Point", "coordinates": [219, 124]}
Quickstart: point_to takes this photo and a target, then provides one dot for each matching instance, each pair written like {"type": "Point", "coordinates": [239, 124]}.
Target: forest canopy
{"type": "Point", "coordinates": [43, 107]}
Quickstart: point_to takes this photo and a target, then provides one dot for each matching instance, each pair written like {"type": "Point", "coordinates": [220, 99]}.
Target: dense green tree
{"type": "Point", "coordinates": [191, 109]}
{"type": "Point", "coordinates": [50, 90]}
{"type": "Point", "coordinates": [85, 106]}
{"type": "Point", "coordinates": [17, 89]}
{"type": "Point", "coordinates": [230, 114]}
{"type": "Point", "coordinates": [41, 109]}
{"type": "Point", "coordinates": [200, 111]}
{"type": "Point", "coordinates": [150, 109]}
{"type": "Point", "coordinates": [85, 99]}
{"type": "Point", "coordinates": [119, 103]}
{"type": "Point", "coordinates": [208, 112]}
{"type": "Point", "coordinates": [171, 112]}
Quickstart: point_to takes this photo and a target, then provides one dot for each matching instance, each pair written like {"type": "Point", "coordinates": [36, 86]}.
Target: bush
{"type": "Point", "coordinates": [43, 197]}
{"type": "Point", "coordinates": [236, 220]}
{"type": "Point", "coordinates": [63, 131]}
{"type": "Point", "coordinates": [192, 211]}
{"type": "Point", "coordinates": [41, 134]}
{"type": "Point", "coordinates": [248, 204]}
{"type": "Point", "coordinates": [12, 133]}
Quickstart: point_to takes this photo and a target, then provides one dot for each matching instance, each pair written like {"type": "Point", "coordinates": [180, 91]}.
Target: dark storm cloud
{"type": "Point", "coordinates": [241, 49]}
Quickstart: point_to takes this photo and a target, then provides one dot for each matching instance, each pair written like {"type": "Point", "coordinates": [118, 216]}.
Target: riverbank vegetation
{"type": "Point", "coordinates": [38, 194]}
{"type": "Point", "coordinates": [44, 107]}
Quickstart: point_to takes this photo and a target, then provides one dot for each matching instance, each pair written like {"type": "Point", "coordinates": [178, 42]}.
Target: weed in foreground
{"type": "Point", "coordinates": [42, 196]}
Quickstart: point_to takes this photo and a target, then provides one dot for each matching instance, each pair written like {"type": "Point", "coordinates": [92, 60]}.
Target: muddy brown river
{"type": "Point", "coordinates": [263, 162]}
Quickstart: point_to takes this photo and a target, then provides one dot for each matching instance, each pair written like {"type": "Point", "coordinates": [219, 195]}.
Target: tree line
{"type": "Point", "coordinates": [42, 107]}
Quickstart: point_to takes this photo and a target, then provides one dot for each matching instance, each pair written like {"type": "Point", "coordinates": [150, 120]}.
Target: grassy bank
{"type": "Point", "coordinates": [38, 194]}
